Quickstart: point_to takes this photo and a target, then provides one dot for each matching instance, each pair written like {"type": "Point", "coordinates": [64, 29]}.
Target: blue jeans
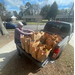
{"type": "Point", "coordinates": [19, 44]}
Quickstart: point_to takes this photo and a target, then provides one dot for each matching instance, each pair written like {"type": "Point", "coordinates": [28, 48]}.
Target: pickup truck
{"type": "Point", "coordinates": [63, 29]}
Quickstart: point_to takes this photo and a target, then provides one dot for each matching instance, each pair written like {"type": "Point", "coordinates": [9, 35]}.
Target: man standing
{"type": "Point", "coordinates": [21, 31]}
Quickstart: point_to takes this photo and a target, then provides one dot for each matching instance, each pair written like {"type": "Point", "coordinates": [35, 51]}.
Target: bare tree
{"type": "Point", "coordinates": [36, 9]}
{"type": "Point", "coordinates": [71, 11]}
{"type": "Point", "coordinates": [38, 20]}
{"type": "Point", "coordinates": [2, 9]}
{"type": "Point", "coordinates": [2, 28]}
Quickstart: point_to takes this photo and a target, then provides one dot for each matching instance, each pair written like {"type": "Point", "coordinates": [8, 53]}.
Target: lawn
{"type": "Point", "coordinates": [44, 21]}
{"type": "Point", "coordinates": [35, 23]}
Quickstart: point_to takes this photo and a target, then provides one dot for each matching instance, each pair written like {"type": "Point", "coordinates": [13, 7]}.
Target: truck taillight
{"type": "Point", "coordinates": [56, 51]}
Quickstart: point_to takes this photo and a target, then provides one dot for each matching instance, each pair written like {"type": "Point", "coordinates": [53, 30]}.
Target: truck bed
{"type": "Point", "coordinates": [40, 64]}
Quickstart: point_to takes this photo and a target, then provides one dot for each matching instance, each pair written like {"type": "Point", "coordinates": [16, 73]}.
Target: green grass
{"type": "Point", "coordinates": [44, 21]}
{"type": "Point", "coordinates": [34, 23]}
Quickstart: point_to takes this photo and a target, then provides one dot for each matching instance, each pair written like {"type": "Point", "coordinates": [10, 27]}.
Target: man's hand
{"type": "Point", "coordinates": [31, 33]}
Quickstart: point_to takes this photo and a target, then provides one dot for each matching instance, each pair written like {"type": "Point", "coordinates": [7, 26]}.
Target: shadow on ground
{"type": "Point", "coordinates": [17, 65]}
{"type": "Point", "coordinates": [5, 57]}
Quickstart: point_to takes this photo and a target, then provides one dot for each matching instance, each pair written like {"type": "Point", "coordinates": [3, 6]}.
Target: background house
{"type": "Point", "coordinates": [65, 18]}
{"type": "Point", "coordinates": [13, 18]}
{"type": "Point", "coordinates": [32, 18]}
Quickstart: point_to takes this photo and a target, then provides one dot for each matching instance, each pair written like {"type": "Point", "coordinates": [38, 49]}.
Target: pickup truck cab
{"type": "Point", "coordinates": [63, 29]}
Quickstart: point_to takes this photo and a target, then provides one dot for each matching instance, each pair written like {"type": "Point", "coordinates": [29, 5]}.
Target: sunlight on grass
{"type": "Point", "coordinates": [34, 23]}
{"type": "Point", "coordinates": [44, 20]}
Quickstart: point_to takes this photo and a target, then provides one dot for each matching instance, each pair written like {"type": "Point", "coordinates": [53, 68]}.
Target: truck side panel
{"type": "Point", "coordinates": [62, 45]}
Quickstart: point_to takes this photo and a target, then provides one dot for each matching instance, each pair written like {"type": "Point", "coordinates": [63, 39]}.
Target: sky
{"type": "Point", "coordinates": [13, 5]}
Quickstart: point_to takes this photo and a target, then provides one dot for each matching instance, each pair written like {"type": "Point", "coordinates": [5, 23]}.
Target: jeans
{"type": "Point", "coordinates": [19, 44]}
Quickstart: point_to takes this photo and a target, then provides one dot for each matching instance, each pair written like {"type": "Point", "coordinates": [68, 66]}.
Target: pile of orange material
{"type": "Point", "coordinates": [40, 44]}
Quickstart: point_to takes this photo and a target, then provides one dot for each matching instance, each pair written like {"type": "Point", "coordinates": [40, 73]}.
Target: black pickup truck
{"type": "Point", "coordinates": [63, 29]}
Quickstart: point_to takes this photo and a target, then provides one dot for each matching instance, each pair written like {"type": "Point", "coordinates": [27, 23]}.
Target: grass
{"type": "Point", "coordinates": [44, 21]}
{"type": "Point", "coordinates": [35, 23]}
{"type": "Point", "coordinates": [20, 20]}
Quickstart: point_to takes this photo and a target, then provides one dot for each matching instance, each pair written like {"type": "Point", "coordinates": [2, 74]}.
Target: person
{"type": "Point", "coordinates": [21, 31]}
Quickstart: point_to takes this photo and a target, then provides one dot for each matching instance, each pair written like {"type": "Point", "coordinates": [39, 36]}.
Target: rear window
{"type": "Point", "coordinates": [57, 27]}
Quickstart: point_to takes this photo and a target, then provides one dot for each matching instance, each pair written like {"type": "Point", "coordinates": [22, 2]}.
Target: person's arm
{"type": "Point", "coordinates": [21, 32]}
{"type": "Point", "coordinates": [27, 30]}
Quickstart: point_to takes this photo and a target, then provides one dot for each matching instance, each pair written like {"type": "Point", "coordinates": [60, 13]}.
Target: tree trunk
{"type": "Point", "coordinates": [2, 28]}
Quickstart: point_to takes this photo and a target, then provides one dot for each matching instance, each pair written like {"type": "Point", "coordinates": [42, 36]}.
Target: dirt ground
{"type": "Point", "coordinates": [24, 66]}
{"type": "Point", "coordinates": [6, 39]}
